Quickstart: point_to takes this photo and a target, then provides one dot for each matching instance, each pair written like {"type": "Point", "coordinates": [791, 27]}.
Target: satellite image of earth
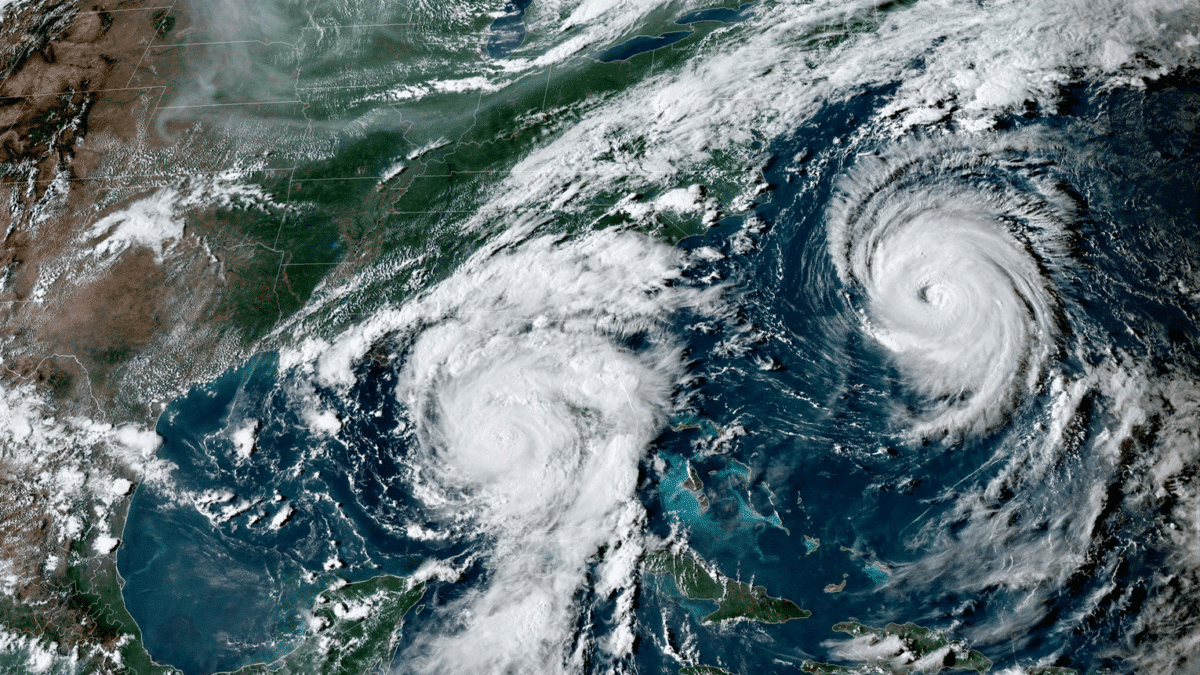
{"type": "Point", "coordinates": [525, 337]}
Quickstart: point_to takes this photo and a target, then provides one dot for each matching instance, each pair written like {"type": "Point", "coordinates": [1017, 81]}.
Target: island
{"type": "Point", "coordinates": [837, 588]}
{"type": "Point", "coordinates": [811, 544]}
{"type": "Point", "coordinates": [354, 629]}
{"type": "Point", "coordinates": [918, 649]}
{"type": "Point", "coordinates": [703, 670]}
{"type": "Point", "coordinates": [694, 486]}
{"type": "Point", "coordinates": [736, 600]}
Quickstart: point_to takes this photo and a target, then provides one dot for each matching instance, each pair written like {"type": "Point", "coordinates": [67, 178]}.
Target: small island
{"type": "Point", "coordinates": [736, 600]}
{"type": "Point", "coordinates": [811, 544]}
{"type": "Point", "coordinates": [354, 629]}
{"type": "Point", "coordinates": [837, 588]}
{"type": "Point", "coordinates": [694, 486]}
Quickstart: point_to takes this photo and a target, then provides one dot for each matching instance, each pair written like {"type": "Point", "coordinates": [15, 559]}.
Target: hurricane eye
{"type": "Point", "coordinates": [960, 301]}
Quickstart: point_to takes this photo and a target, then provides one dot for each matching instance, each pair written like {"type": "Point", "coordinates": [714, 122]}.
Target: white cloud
{"type": "Point", "coordinates": [282, 516]}
{"type": "Point", "coordinates": [10, 5]}
{"type": "Point", "coordinates": [977, 59]}
{"type": "Point", "coordinates": [531, 419]}
{"type": "Point", "coordinates": [244, 439]}
{"type": "Point", "coordinates": [323, 422]}
{"type": "Point", "coordinates": [105, 544]}
{"type": "Point", "coordinates": [960, 302]}
{"type": "Point", "coordinates": [151, 222]}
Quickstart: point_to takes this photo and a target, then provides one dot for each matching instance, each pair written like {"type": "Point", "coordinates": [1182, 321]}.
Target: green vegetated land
{"type": "Point", "coordinates": [401, 186]}
{"type": "Point", "coordinates": [92, 589]}
{"type": "Point", "coordinates": [736, 600]}
{"type": "Point", "coordinates": [703, 670]}
{"type": "Point", "coordinates": [354, 630]}
{"type": "Point", "coordinates": [916, 644]}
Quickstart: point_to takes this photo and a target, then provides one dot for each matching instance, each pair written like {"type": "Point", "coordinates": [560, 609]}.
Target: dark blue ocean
{"type": "Point", "coordinates": [794, 436]}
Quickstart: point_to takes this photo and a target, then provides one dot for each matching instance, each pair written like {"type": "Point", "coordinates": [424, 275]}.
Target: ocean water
{"type": "Point", "coordinates": [213, 584]}
{"type": "Point", "coordinates": [797, 418]}
{"type": "Point", "coordinates": [933, 529]}
{"type": "Point", "coordinates": [948, 360]}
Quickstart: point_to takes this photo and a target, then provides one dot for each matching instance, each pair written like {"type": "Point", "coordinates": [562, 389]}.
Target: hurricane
{"type": "Point", "coordinates": [531, 413]}
{"type": "Point", "coordinates": [947, 247]}
{"type": "Point", "coordinates": [964, 261]}
{"type": "Point", "coordinates": [596, 337]}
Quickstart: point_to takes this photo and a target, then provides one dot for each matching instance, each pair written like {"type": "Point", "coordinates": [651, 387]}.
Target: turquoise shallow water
{"type": "Point", "coordinates": [798, 437]}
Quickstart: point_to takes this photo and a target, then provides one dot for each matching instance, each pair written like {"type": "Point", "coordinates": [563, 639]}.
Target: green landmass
{"type": "Point", "coordinates": [830, 669]}
{"type": "Point", "coordinates": [89, 592]}
{"type": "Point", "coordinates": [916, 644]}
{"type": "Point", "coordinates": [736, 600]}
{"type": "Point", "coordinates": [99, 598]}
{"type": "Point", "coordinates": [163, 22]}
{"type": "Point", "coordinates": [876, 669]}
{"type": "Point", "coordinates": [703, 670]}
{"type": "Point", "coordinates": [354, 630]}
{"type": "Point", "coordinates": [693, 422]}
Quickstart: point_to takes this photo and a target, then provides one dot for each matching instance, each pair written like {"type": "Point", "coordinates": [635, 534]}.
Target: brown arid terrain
{"type": "Point", "coordinates": [67, 87]}
{"type": "Point", "coordinates": [98, 314]}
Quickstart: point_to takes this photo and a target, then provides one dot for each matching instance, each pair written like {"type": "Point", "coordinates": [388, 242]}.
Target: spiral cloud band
{"type": "Point", "coordinates": [944, 248]}
{"type": "Point", "coordinates": [531, 412]}
{"type": "Point", "coordinates": [537, 436]}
